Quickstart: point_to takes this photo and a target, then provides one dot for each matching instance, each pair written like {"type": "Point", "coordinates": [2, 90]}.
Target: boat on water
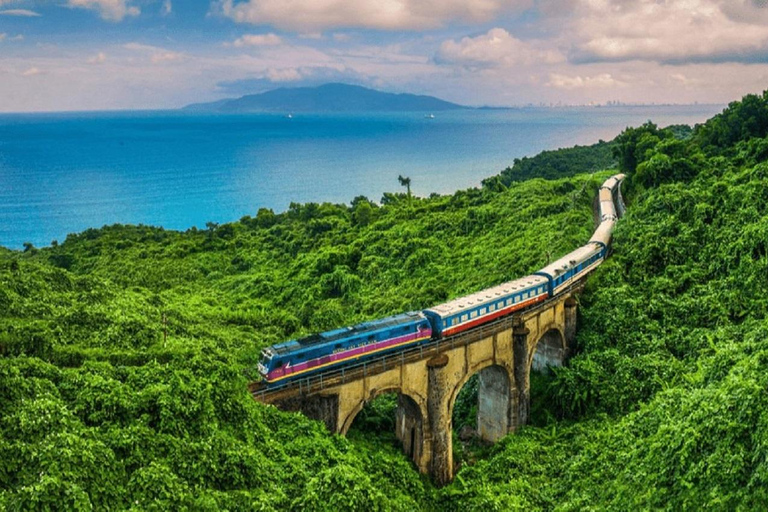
{"type": "Point", "coordinates": [429, 116]}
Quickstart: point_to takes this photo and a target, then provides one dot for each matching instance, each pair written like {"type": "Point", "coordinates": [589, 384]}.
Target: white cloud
{"type": "Point", "coordinates": [284, 75]}
{"type": "Point", "coordinates": [311, 35]}
{"type": "Point", "coordinates": [99, 58]}
{"type": "Point", "coordinates": [257, 40]}
{"type": "Point", "coordinates": [601, 81]}
{"type": "Point", "coordinates": [167, 56]}
{"type": "Point", "coordinates": [26, 13]}
{"type": "Point", "coordinates": [158, 55]}
{"type": "Point", "coordinates": [31, 72]}
{"type": "Point", "coordinates": [167, 8]}
{"type": "Point", "coordinates": [495, 48]}
{"type": "Point", "coordinates": [110, 10]}
{"type": "Point", "coordinates": [313, 15]}
{"type": "Point", "coordinates": [2, 37]}
{"type": "Point", "coordinates": [670, 32]}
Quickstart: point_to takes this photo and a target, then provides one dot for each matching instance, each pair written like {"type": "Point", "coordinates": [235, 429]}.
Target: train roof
{"type": "Point", "coordinates": [603, 232]}
{"type": "Point", "coordinates": [487, 295]}
{"type": "Point", "coordinates": [345, 332]}
{"type": "Point", "coordinates": [557, 267]}
{"type": "Point", "coordinates": [613, 181]}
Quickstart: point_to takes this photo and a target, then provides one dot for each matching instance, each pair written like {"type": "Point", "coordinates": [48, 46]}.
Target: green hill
{"type": "Point", "coordinates": [127, 349]}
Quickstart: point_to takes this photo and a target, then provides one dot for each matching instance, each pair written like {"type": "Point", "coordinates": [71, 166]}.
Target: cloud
{"type": "Point", "coordinates": [300, 76]}
{"type": "Point", "coordinates": [167, 8]}
{"type": "Point", "coordinates": [257, 40]}
{"type": "Point", "coordinates": [99, 58]}
{"type": "Point", "coordinates": [4, 37]}
{"type": "Point", "coordinates": [495, 48]}
{"type": "Point", "coordinates": [26, 13]}
{"type": "Point", "coordinates": [669, 32]}
{"type": "Point", "coordinates": [601, 81]}
{"type": "Point", "coordinates": [314, 15]}
{"type": "Point", "coordinates": [31, 72]}
{"type": "Point", "coordinates": [110, 10]}
{"type": "Point", "coordinates": [158, 55]}
{"type": "Point", "coordinates": [167, 56]}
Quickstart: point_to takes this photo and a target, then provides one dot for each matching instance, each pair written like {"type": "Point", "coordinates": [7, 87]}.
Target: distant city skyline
{"type": "Point", "coordinates": [58, 55]}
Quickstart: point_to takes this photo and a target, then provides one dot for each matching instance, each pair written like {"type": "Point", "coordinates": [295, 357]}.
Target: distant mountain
{"type": "Point", "coordinates": [326, 98]}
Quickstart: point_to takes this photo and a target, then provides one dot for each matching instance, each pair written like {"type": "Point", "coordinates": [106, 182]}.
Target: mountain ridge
{"type": "Point", "coordinates": [331, 97]}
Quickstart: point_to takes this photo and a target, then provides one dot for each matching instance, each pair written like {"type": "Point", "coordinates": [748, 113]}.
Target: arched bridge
{"type": "Point", "coordinates": [428, 377]}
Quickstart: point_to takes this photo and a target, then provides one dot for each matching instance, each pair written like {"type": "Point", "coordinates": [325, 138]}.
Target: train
{"type": "Point", "coordinates": [317, 353]}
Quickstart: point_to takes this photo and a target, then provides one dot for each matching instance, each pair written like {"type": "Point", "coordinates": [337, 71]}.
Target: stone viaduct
{"type": "Point", "coordinates": [428, 380]}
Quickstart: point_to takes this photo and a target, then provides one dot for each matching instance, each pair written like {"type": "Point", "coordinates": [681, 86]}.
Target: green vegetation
{"type": "Point", "coordinates": [665, 405]}
{"type": "Point", "coordinates": [100, 410]}
{"type": "Point", "coordinates": [662, 407]}
{"type": "Point", "coordinates": [557, 164]}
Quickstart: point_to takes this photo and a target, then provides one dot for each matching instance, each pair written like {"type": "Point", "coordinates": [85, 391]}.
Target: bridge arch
{"type": "Point", "coordinates": [550, 349]}
{"type": "Point", "coordinates": [495, 399]}
{"type": "Point", "coordinates": [410, 418]}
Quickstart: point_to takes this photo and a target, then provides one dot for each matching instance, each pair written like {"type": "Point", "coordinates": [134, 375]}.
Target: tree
{"type": "Point", "coordinates": [405, 182]}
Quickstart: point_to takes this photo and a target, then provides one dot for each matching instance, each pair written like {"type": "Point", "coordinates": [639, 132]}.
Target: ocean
{"type": "Point", "coordinates": [63, 173]}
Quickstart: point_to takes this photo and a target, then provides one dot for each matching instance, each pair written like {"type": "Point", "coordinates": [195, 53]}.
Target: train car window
{"type": "Point", "coordinates": [473, 314]}
{"type": "Point", "coordinates": [463, 318]}
{"type": "Point", "coordinates": [483, 311]}
{"type": "Point", "coordinates": [492, 308]}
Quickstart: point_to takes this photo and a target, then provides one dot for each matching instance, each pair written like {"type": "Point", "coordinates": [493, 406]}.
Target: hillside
{"type": "Point", "coordinates": [126, 350]}
{"type": "Point", "coordinates": [326, 98]}
{"type": "Point", "coordinates": [95, 399]}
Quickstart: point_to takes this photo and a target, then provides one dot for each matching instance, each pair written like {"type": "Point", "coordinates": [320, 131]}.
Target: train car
{"type": "Point", "coordinates": [320, 352]}
{"type": "Point", "coordinates": [572, 266]}
{"type": "Point", "coordinates": [472, 310]}
{"type": "Point", "coordinates": [607, 208]}
{"type": "Point", "coordinates": [323, 351]}
{"type": "Point", "coordinates": [602, 234]}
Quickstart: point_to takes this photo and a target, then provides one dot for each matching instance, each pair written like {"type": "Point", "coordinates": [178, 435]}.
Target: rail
{"type": "Point", "coordinates": [335, 377]}
{"type": "Point", "coordinates": [332, 378]}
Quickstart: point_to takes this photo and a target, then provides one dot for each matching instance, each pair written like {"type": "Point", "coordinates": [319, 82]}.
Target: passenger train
{"type": "Point", "coordinates": [320, 352]}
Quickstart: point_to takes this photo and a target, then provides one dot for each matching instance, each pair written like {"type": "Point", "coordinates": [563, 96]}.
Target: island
{"type": "Point", "coordinates": [333, 97]}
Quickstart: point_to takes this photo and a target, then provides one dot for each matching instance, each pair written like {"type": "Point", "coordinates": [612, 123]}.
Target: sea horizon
{"type": "Point", "coordinates": [65, 172]}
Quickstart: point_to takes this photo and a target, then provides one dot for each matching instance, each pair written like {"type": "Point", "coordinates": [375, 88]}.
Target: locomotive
{"type": "Point", "coordinates": [334, 349]}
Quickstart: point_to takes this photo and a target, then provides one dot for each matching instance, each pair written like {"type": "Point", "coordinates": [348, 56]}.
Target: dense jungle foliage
{"type": "Point", "coordinates": [556, 164]}
{"type": "Point", "coordinates": [127, 350]}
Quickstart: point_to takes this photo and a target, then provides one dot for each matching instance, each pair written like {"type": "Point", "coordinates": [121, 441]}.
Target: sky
{"type": "Point", "coordinates": [58, 55]}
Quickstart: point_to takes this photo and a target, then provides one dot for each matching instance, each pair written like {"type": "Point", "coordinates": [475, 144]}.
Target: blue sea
{"type": "Point", "coordinates": [63, 173]}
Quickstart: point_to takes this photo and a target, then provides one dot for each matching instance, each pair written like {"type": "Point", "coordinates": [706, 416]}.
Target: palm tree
{"type": "Point", "coordinates": [405, 182]}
